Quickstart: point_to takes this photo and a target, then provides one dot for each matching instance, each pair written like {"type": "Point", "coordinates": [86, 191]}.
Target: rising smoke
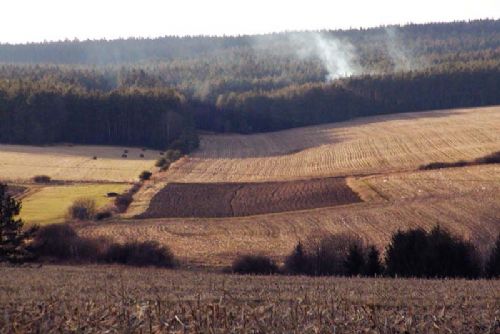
{"type": "Point", "coordinates": [338, 57]}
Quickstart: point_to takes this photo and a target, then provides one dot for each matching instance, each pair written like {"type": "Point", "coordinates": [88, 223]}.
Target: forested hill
{"type": "Point", "coordinates": [155, 92]}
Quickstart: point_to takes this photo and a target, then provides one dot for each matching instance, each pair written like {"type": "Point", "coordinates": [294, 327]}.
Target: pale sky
{"type": "Point", "coordinates": [37, 20]}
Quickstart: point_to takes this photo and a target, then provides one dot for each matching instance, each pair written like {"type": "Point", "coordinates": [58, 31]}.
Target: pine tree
{"type": "Point", "coordinates": [12, 236]}
{"type": "Point", "coordinates": [296, 263]}
{"type": "Point", "coordinates": [373, 265]}
{"type": "Point", "coordinates": [355, 261]}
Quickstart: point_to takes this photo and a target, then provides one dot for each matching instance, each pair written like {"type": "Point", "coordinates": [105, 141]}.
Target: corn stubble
{"type": "Point", "coordinates": [119, 300]}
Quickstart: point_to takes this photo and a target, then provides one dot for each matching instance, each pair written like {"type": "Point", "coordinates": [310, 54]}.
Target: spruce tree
{"type": "Point", "coordinates": [13, 237]}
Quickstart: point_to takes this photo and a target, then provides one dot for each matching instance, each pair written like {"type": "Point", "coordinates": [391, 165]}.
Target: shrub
{"type": "Point", "coordinates": [103, 215]}
{"type": "Point", "coordinates": [145, 175]}
{"type": "Point", "coordinates": [82, 209]}
{"type": "Point", "coordinates": [416, 253]}
{"type": "Point", "coordinates": [439, 165]}
{"type": "Point", "coordinates": [112, 194]}
{"type": "Point", "coordinates": [61, 242]}
{"type": "Point", "coordinates": [123, 201]}
{"type": "Point", "coordinates": [163, 163]}
{"type": "Point", "coordinates": [254, 264]}
{"type": "Point", "coordinates": [148, 253]}
{"type": "Point", "coordinates": [41, 179]}
{"type": "Point", "coordinates": [173, 155]}
{"type": "Point", "coordinates": [493, 158]}
{"type": "Point", "coordinates": [124, 155]}
{"type": "Point", "coordinates": [297, 261]}
{"type": "Point", "coordinates": [341, 254]}
{"type": "Point", "coordinates": [493, 262]}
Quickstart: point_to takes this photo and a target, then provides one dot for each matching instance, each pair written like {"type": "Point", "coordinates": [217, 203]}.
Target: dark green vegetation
{"type": "Point", "coordinates": [156, 92]}
{"type": "Point", "coordinates": [13, 237]}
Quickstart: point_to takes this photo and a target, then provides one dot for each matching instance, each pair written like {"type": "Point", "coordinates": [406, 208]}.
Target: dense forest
{"type": "Point", "coordinates": [156, 92]}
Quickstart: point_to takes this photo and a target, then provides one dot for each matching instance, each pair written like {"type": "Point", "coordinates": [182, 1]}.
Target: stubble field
{"type": "Point", "coordinates": [74, 163]}
{"type": "Point", "coordinates": [121, 300]}
{"type": "Point", "coordinates": [367, 145]}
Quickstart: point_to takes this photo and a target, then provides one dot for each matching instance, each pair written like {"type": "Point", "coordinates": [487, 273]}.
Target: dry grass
{"type": "Point", "coordinates": [121, 300]}
{"type": "Point", "coordinates": [74, 163]}
{"type": "Point", "coordinates": [454, 198]}
{"type": "Point", "coordinates": [366, 145]}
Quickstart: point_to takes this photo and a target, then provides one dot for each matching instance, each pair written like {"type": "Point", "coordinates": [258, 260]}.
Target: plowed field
{"type": "Point", "coordinates": [245, 199]}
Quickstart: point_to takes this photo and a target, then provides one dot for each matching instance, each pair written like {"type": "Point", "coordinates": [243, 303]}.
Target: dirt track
{"type": "Point", "coordinates": [246, 199]}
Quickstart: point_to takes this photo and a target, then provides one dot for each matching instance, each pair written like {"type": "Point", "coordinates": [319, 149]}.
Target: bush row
{"type": "Point", "coordinates": [493, 158]}
{"type": "Point", "coordinates": [412, 253]}
{"type": "Point", "coordinates": [60, 243]}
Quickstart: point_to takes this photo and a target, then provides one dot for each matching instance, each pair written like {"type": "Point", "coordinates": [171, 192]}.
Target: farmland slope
{"type": "Point", "coordinates": [380, 157]}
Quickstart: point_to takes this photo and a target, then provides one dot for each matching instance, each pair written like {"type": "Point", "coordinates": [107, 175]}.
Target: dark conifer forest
{"type": "Point", "coordinates": [158, 92]}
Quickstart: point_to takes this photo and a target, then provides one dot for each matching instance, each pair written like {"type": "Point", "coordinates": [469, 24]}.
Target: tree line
{"type": "Point", "coordinates": [33, 113]}
{"type": "Point", "coordinates": [410, 253]}
{"type": "Point", "coordinates": [158, 92]}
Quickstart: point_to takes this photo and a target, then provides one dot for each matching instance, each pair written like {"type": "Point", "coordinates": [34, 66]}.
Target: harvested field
{"type": "Point", "coordinates": [50, 204]}
{"type": "Point", "coordinates": [245, 199]}
{"type": "Point", "coordinates": [362, 146]}
{"type": "Point", "coordinates": [124, 300]}
{"type": "Point", "coordinates": [463, 200]}
{"type": "Point", "coordinates": [74, 163]}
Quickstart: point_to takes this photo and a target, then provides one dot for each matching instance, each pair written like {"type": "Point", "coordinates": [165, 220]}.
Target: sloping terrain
{"type": "Point", "coordinates": [380, 156]}
{"type": "Point", "coordinates": [362, 146]}
{"type": "Point", "coordinates": [462, 200]}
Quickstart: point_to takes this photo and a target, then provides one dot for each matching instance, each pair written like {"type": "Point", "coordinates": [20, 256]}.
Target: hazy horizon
{"type": "Point", "coordinates": [55, 20]}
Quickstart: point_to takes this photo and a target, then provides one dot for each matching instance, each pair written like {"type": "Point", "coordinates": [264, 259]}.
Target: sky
{"type": "Point", "coordinates": [24, 21]}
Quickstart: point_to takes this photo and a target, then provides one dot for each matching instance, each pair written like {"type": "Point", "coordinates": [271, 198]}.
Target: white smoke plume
{"type": "Point", "coordinates": [337, 56]}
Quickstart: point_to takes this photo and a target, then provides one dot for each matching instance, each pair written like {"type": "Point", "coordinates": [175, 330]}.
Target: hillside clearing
{"type": "Point", "coordinates": [74, 163]}
{"type": "Point", "coordinates": [49, 204]}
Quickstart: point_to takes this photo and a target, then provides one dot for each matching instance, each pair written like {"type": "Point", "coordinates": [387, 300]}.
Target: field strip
{"type": "Point", "coordinates": [20, 163]}
{"type": "Point", "coordinates": [247, 199]}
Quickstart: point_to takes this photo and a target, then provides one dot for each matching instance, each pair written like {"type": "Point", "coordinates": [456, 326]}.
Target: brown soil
{"type": "Point", "coordinates": [245, 199]}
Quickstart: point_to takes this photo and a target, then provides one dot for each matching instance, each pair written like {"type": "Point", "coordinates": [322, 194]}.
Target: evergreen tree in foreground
{"type": "Point", "coordinates": [12, 236]}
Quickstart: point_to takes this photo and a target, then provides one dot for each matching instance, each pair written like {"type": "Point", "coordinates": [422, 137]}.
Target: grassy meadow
{"type": "Point", "coordinates": [50, 204]}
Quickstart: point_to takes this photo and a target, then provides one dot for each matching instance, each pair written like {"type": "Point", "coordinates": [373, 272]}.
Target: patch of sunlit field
{"type": "Point", "coordinates": [49, 204]}
{"type": "Point", "coordinates": [74, 162]}
{"type": "Point", "coordinates": [366, 145]}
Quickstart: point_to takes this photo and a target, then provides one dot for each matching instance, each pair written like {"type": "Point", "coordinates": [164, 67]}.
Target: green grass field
{"type": "Point", "coordinates": [50, 204]}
